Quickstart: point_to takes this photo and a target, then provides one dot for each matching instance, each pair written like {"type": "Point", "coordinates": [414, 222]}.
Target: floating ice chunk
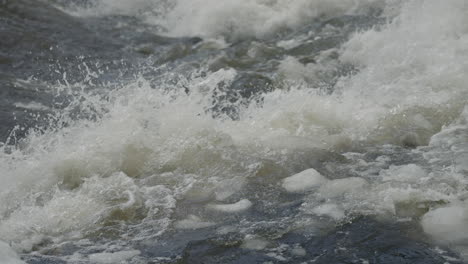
{"type": "Point", "coordinates": [405, 173]}
{"type": "Point", "coordinates": [330, 210]}
{"type": "Point", "coordinates": [192, 222]}
{"type": "Point", "coordinates": [115, 257]}
{"type": "Point", "coordinates": [254, 243]}
{"type": "Point", "coordinates": [289, 44]}
{"type": "Point", "coordinates": [8, 256]}
{"type": "Point", "coordinates": [303, 181]}
{"type": "Point", "coordinates": [447, 224]}
{"type": "Point", "coordinates": [337, 187]}
{"type": "Point", "coordinates": [298, 251]}
{"type": "Point", "coordinates": [277, 256]}
{"type": "Point", "coordinates": [240, 206]}
{"type": "Point", "coordinates": [35, 106]}
{"type": "Point", "coordinates": [226, 230]}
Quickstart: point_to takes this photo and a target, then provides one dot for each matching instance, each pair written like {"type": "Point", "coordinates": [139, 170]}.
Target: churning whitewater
{"type": "Point", "coordinates": [250, 131]}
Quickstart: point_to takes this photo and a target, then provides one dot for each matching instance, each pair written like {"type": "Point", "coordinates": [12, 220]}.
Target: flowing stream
{"type": "Point", "coordinates": [246, 131]}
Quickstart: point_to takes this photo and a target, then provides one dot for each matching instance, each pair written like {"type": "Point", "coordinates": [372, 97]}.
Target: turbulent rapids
{"type": "Point", "coordinates": [247, 131]}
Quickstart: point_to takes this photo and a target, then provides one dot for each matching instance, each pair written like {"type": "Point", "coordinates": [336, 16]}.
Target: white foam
{"type": "Point", "coordinates": [240, 206]}
{"type": "Point", "coordinates": [233, 19]}
{"type": "Point", "coordinates": [32, 106]}
{"type": "Point", "coordinates": [311, 73]}
{"type": "Point", "coordinates": [114, 257]}
{"type": "Point", "coordinates": [112, 7]}
{"type": "Point", "coordinates": [256, 18]}
{"type": "Point", "coordinates": [65, 213]}
{"type": "Point", "coordinates": [289, 44]}
{"type": "Point", "coordinates": [404, 71]}
{"type": "Point", "coordinates": [8, 256]}
{"type": "Point", "coordinates": [330, 210]}
{"type": "Point", "coordinates": [405, 173]}
{"type": "Point", "coordinates": [338, 187]}
{"type": "Point", "coordinates": [303, 181]}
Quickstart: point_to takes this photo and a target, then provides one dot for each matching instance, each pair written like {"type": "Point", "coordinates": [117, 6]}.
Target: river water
{"type": "Point", "coordinates": [248, 131]}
